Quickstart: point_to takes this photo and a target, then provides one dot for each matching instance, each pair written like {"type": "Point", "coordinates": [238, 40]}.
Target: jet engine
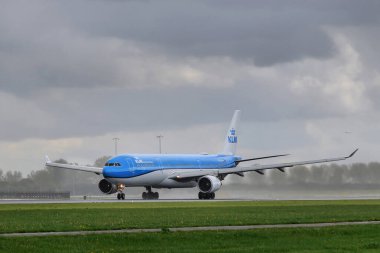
{"type": "Point", "coordinates": [208, 184]}
{"type": "Point", "coordinates": [106, 187]}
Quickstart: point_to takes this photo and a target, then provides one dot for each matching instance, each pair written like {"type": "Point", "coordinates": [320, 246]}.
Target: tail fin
{"type": "Point", "coordinates": [232, 137]}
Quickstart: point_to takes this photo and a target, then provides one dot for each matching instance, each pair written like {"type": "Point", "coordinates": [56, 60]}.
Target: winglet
{"type": "Point", "coordinates": [352, 154]}
{"type": "Point", "coordinates": [47, 159]}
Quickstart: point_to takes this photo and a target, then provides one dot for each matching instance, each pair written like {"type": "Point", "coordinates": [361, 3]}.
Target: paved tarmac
{"type": "Point", "coordinates": [71, 201]}
{"type": "Point", "coordinates": [182, 229]}
{"type": "Point", "coordinates": [96, 199]}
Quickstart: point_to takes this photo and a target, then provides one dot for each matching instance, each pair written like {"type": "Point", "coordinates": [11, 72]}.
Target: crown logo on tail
{"type": "Point", "coordinates": [232, 138]}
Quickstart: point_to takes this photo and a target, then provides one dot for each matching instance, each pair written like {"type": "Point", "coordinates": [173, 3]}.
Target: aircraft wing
{"type": "Point", "coordinates": [281, 166]}
{"type": "Point", "coordinates": [256, 168]}
{"type": "Point", "coordinates": [96, 170]}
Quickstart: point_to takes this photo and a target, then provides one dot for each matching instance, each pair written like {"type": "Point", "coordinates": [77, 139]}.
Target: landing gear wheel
{"type": "Point", "coordinates": [149, 194]}
{"type": "Point", "coordinates": [120, 195]}
{"type": "Point", "coordinates": [204, 195]}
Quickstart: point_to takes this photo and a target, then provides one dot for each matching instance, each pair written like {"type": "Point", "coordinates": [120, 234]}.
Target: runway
{"type": "Point", "coordinates": [100, 199]}
{"type": "Point", "coordinates": [190, 229]}
{"type": "Point", "coordinates": [73, 201]}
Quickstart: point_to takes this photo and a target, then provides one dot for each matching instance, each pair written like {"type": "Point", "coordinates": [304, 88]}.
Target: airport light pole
{"type": "Point", "coordinates": [116, 140]}
{"type": "Point", "coordinates": [159, 142]}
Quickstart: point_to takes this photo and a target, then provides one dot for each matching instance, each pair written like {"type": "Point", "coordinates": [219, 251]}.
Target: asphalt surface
{"type": "Point", "coordinates": [72, 201]}
{"type": "Point", "coordinates": [130, 200]}
{"type": "Point", "coordinates": [183, 229]}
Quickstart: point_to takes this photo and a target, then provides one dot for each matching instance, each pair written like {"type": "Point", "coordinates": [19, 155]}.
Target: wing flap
{"type": "Point", "coordinates": [193, 174]}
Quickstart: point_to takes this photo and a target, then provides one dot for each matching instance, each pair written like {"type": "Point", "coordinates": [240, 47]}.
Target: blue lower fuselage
{"type": "Point", "coordinates": [129, 166]}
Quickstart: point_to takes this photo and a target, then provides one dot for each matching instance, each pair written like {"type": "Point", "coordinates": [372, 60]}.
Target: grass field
{"type": "Point", "coordinates": [102, 216]}
{"type": "Point", "coordinates": [332, 239]}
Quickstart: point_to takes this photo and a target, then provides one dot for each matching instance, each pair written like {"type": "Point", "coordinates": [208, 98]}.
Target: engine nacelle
{"type": "Point", "coordinates": [208, 184]}
{"type": "Point", "coordinates": [106, 187]}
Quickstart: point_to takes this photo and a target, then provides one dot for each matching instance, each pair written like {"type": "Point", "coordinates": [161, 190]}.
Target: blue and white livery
{"type": "Point", "coordinates": [180, 170]}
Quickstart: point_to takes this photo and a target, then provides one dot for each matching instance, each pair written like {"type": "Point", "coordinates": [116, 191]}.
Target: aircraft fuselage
{"type": "Point", "coordinates": [156, 169]}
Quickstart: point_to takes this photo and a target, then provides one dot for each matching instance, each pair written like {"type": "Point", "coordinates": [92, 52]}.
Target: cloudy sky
{"type": "Point", "coordinates": [76, 73]}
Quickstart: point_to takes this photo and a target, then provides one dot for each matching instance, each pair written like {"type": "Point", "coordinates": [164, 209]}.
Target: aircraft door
{"type": "Point", "coordinates": [131, 167]}
{"type": "Point", "coordinates": [199, 164]}
{"type": "Point", "coordinates": [159, 165]}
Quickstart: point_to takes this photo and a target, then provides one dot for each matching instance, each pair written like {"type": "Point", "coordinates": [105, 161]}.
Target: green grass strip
{"type": "Point", "coordinates": [103, 216]}
{"type": "Point", "coordinates": [363, 238]}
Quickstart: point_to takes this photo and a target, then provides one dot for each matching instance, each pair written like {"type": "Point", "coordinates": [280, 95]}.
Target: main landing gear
{"type": "Point", "coordinates": [206, 195]}
{"type": "Point", "coordinates": [149, 194]}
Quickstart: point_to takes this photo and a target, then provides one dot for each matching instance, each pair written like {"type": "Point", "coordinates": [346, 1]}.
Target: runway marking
{"type": "Point", "coordinates": [183, 229]}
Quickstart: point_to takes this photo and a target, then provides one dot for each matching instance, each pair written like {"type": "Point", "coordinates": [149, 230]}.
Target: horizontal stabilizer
{"type": "Point", "coordinates": [47, 159]}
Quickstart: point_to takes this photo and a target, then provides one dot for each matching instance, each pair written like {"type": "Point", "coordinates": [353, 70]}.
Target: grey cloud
{"type": "Point", "coordinates": [91, 112]}
{"type": "Point", "coordinates": [266, 35]}
{"type": "Point", "coordinates": [80, 43]}
{"type": "Point", "coordinates": [268, 32]}
{"type": "Point", "coordinates": [77, 60]}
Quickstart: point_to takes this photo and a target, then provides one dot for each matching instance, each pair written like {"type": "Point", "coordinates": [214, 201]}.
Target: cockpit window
{"type": "Point", "coordinates": [113, 164]}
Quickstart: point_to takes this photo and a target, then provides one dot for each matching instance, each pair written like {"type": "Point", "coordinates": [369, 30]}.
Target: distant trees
{"type": "Point", "coordinates": [13, 176]}
{"type": "Point", "coordinates": [358, 175]}
{"type": "Point", "coordinates": [51, 179]}
{"type": "Point", "coordinates": [101, 161]}
{"type": "Point", "coordinates": [332, 176]}
{"type": "Point", "coordinates": [9, 179]}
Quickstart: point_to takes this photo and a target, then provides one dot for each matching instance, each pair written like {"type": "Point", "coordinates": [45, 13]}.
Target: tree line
{"type": "Point", "coordinates": [330, 176]}
{"type": "Point", "coordinates": [53, 180]}
{"type": "Point", "coordinates": [325, 176]}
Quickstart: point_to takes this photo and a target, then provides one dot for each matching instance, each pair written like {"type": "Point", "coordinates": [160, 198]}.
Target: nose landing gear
{"type": "Point", "coordinates": [120, 194]}
{"type": "Point", "coordinates": [149, 194]}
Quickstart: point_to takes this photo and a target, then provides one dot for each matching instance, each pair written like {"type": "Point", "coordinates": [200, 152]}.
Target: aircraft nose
{"type": "Point", "coordinates": [113, 172]}
{"type": "Point", "coordinates": [106, 171]}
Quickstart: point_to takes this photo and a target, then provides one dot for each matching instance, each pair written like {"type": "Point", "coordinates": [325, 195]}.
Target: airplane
{"type": "Point", "coordinates": [205, 171]}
